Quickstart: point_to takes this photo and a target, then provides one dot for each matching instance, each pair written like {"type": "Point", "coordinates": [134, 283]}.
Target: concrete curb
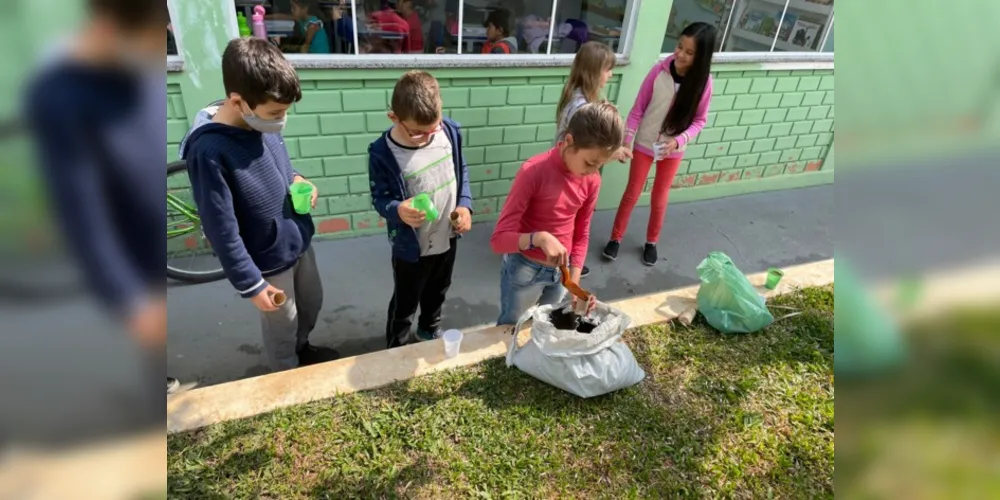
{"type": "Point", "coordinates": [253, 396]}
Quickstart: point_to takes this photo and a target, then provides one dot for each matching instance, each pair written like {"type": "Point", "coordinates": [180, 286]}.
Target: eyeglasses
{"type": "Point", "coordinates": [417, 136]}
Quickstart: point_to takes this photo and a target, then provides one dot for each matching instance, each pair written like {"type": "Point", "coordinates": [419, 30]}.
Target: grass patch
{"type": "Point", "coordinates": [744, 416]}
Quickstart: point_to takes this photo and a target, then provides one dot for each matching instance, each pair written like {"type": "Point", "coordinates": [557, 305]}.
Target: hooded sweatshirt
{"type": "Point", "coordinates": [240, 181]}
{"type": "Point", "coordinates": [656, 96]}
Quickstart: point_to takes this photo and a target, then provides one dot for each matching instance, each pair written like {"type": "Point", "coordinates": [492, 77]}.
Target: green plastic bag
{"type": "Point", "coordinates": [727, 299]}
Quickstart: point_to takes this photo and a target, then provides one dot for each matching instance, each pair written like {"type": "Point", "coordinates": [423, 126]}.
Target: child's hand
{"type": "Point", "coordinates": [670, 147]}
{"type": "Point", "coordinates": [315, 195]}
{"type": "Point", "coordinates": [265, 299]}
{"type": "Point", "coordinates": [464, 222]}
{"type": "Point", "coordinates": [623, 153]}
{"type": "Point", "coordinates": [554, 251]}
{"type": "Point", "coordinates": [591, 303]}
{"type": "Point", "coordinates": [409, 215]}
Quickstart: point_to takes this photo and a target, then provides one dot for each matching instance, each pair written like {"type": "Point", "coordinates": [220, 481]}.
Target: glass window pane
{"type": "Point", "coordinates": [505, 26]}
{"type": "Point", "coordinates": [171, 41]}
{"type": "Point", "coordinates": [828, 47]}
{"type": "Point", "coordinates": [804, 25]}
{"type": "Point", "coordinates": [685, 12]}
{"type": "Point", "coordinates": [406, 26]}
{"type": "Point", "coordinates": [580, 21]}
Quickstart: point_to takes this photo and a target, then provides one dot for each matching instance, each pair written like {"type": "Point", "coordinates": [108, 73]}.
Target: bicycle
{"type": "Point", "coordinates": [185, 239]}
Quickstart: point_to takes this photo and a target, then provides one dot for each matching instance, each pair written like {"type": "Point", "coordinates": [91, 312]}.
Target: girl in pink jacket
{"type": "Point", "coordinates": [670, 110]}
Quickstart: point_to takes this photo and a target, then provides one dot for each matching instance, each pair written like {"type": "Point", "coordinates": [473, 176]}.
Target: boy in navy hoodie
{"type": "Point", "coordinates": [240, 174]}
{"type": "Point", "coordinates": [421, 153]}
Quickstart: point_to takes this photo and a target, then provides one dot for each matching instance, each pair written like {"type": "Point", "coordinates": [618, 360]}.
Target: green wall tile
{"type": "Point", "coordinates": [753, 172]}
{"type": "Point", "coordinates": [826, 83]}
{"type": "Point", "coordinates": [485, 136]}
{"type": "Point", "coordinates": [348, 204]}
{"type": "Point", "coordinates": [805, 141]}
{"type": "Point", "coordinates": [342, 123]}
{"type": "Point", "coordinates": [819, 112]}
{"type": "Point", "coordinates": [740, 147]}
{"type": "Point", "coordinates": [775, 115]}
{"type": "Point", "coordinates": [319, 102]}
{"type": "Point", "coordinates": [358, 144]}
{"type": "Point", "coordinates": [499, 154]}
{"type": "Point", "coordinates": [708, 136]}
{"type": "Point", "coordinates": [807, 83]}
{"type": "Point", "coordinates": [471, 117]}
{"type": "Point", "coordinates": [738, 86]}
{"type": "Point", "coordinates": [785, 142]}
{"type": "Point", "coordinates": [545, 132]}
{"type": "Point", "coordinates": [769, 101]}
{"type": "Point", "coordinates": [496, 188]}
{"type": "Point", "coordinates": [345, 165]}
{"type": "Point", "coordinates": [727, 118]}
{"type": "Point", "coordinates": [457, 97]}
{"type": "Point", "coordinates": [773, 170]}
{"type": "Point", "coordinates": [301, 125]}
{"type": "Point", "coordinates": [724, 163]}
{"type": "Point", "coordinates": [780, 129]}
{"type": "Point", "coordinates": [539, 114]}
{"type": "Point", "coordinates": [788, 84]}
{"type": "Point", "coordinates": [813, 98]}
{"type": "Point", "coordinates": [377, 121]}
{"type": "Point", "coordinates": [312, 147]}
{"type": "Point", "coordinates": [791, 154]}
{"type": "Point", "coordinates": [763, 85]}
{"type": "Point", "coordinates": [747, 160]}
{"type": "Point", "coordinates": [769, 157]}
{"type": "Point", "coordinates": [330, 186]}
{"type": "Point", "coordinates": [701, 165]}
{"type": "Point", "coordinates": [551, 94]}
{"type": "Point", "coordinates": [365, 100]}
{"type": "Point", "coordinates": [758, 131]}
{"type": "Point", "coordinates": [359, 184]}
{"type": "Point", "coordinates": [520, 133]}
{"type": "Point", "coordinates": [715, 150]}
{"type": "Point", "coordinates": [694, 151]}
{"type": "Point", "coordinates": [735, 133]}
{"type": "Point", "coordinates": [524, 95]}
{"type": "Point", "coordinates": [752, 117]}
{"type": "Point", "coordinates": [746, 101]}
{"type": "Point", "coordinates": [309, 168]}
{"type": "Point", "coordinates": [474, 156]}
{"type": "Point", "coordinates": [792, 99]}
{"type": "Point", "coordinates": [763, 145]}
{"type": "Point", "coordinates": [507, 115]}
{"type": "Point", "coordinates": [490, 96]}
{"type": "Point", "coordinates": [480, 173]}
{"type": "Point", "coordinates": [813, 153]}
{"type": "Point", "coordinates": [802, 127]}
{"type": "Point", "coordinates": [828, 99]}
{"type": "Point", "coordinates": [722, 102]}
{"type": "Point", "coordinates": [529, 150]}
{"type": "Point", "coordinates": [796, 114]}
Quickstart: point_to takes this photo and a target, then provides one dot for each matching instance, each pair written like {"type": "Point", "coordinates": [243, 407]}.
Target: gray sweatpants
{"type": "Point", "coordinates": [288, 328]}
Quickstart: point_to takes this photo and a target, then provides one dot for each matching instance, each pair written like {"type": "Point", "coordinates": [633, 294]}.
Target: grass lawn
{"type": "Point", "coordinates": [745, 416]}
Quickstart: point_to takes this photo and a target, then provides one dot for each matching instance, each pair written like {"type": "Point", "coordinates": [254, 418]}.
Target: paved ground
{"type": "Point", "coordinates": [215, 335]}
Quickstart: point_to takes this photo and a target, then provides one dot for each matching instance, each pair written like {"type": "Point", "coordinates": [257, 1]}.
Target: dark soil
{"type": "Point", "coordinates": [568, 320]}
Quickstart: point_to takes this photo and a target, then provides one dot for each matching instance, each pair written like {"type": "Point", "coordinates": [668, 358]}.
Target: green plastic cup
{"type": "Point", "coordinates": [773, 277]}
{"type": "Point", "coordinates": [423, 203]}
{"type": "Point", "coordinates": [301, 196]}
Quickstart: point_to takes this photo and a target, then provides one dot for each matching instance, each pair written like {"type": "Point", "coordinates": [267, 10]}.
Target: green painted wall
{"type": "Point", "coordinates": [767, 129]}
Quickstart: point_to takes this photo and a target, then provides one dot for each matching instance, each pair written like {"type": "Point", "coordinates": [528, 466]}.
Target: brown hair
{"type": "Point", "coordinates": [597, 125]}
{"type": "Point", "coordinates": [258, 71]}
{"type": "Point", "coordinates": [591, 60]}
{"type": "Point", "coordinates": [417, 97]}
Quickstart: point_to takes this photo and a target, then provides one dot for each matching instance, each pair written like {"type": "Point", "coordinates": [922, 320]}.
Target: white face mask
{"type": "Point", "coordinates": [264, 126]}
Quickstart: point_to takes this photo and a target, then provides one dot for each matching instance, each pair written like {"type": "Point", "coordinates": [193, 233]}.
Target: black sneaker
{"type": "Point", "coordinates": [585, 272]}
{"type": "Point", "coordinates": [611, 250]}
{"type": "Point", "coordinates": [425, 335]}
{"type": "Point", "coordinates": [311, 355]}
{"type": "Point", "coordinates": [172, 385]}
{"type": "Point", "coordinates": [649, 254]}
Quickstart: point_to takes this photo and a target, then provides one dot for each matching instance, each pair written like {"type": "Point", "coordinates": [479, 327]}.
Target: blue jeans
{"type": "Point", "coordinates": [523, 284]}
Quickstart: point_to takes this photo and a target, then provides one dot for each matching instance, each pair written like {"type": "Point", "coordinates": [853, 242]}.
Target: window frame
{"type": "Point", "coordinates": [785, 60]}
{"type": "Point", "coordinates": [459, 60]}
{"type": "Point", "coordinates": [175, 62]}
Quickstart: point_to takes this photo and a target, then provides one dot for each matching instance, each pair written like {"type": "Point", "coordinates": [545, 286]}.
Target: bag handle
{"type": "Point", "coordinates": [517, 328]}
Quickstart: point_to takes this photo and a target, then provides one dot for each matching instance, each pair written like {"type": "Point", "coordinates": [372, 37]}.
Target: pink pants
{"type": "Point", "coordinates": [666, 169]}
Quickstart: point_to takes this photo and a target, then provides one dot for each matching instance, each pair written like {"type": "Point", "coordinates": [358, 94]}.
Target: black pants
{"type": "Point", "coordinates": [423, 283]}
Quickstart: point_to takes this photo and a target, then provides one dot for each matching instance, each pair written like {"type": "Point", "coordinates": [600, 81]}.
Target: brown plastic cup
{"type": "Point", "coordinates": [279, 298]}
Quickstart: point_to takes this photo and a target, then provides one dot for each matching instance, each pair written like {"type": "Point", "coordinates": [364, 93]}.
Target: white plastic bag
{"type": "Point", "coordinates": [584, 364]}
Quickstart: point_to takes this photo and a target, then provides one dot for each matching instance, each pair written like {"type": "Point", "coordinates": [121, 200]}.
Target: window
{"type": "Point", "coordinates": [171, 39]}
{"type": "Point", "coordinates": [356, 27]}
{"type": "Point", "coordinates": [757, 25]}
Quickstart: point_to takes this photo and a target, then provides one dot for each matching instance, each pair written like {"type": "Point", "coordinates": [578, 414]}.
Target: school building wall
{"type": "Point", "coordinates": [768, 128]}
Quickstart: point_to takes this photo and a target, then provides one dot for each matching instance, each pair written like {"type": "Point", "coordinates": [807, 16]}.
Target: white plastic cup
{"type": "Point", "coordinates": [452, 340]}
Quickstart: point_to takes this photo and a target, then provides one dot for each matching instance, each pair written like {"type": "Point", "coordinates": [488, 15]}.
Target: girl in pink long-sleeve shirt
{"type": "Point", "coordinates": [670, 110]}
{"type": "Point", "coordinates": [545, 221]}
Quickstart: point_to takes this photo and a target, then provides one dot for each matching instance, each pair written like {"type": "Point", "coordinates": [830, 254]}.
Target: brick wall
{"type": "Point", "coordinates": [761, 124]}
{"type": "Point", "coordinates": [504, 122]}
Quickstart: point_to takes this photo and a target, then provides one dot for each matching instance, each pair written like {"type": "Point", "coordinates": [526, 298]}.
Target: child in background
{"type": "Point", "coordinates": [670, 110]}
{"type": "Point", "coordinates": [545, 222]}
{"type": "Point", "coordinates": [310, 27]}
{"type": "Point", "coordinates": [387, 20]}
{"type": "Point", "coordinates": [414, 43]}
{"type": "Point", "coordinates": [499, 26]}
{"type": "Point", "coordinates": [240, 174]}
{"type": "Point", "coordinates": [421, 153]}
{"type": "Point", "coordinates": [590, 72]}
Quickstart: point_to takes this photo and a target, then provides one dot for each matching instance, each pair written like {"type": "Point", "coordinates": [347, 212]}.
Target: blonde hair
{"type": "Point", "coordinates": [417, 97]}
{"type": "Point", "coordinates": [591, 60]}
{"type": "Point", "coordinates": [597, 125]}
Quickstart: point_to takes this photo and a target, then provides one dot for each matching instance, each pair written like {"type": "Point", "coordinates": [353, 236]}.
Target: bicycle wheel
{"type": "Point", "coordinates": [189, 256]}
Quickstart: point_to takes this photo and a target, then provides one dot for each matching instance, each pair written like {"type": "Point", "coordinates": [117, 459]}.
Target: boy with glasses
{"type": "Point", "coordinates": [420, 154]}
